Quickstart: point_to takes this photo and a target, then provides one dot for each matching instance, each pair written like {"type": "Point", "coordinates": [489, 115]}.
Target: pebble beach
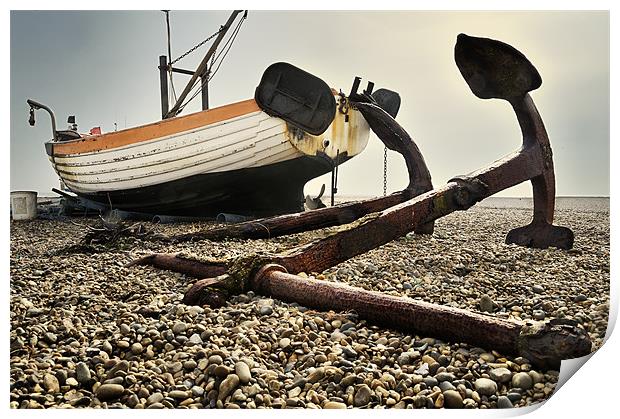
{"type": "Point", "coordinates": [88, 332]}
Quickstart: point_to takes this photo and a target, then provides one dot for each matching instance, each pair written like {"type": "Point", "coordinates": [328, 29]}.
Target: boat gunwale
{"type": "Point", "coordinates": [92, 143]}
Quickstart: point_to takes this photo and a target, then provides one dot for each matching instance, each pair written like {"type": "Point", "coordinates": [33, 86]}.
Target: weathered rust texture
{"type": "Point", "coordinates": [543, 343]}
{"type": "Point", "coordinates": [493, 69]}
{"type": "Point", "coordinates": [178, 263]}
{"type": "Point", "coordinates": [394, 136]}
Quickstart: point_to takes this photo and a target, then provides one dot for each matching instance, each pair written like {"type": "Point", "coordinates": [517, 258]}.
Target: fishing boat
{"type": "Point", "coordinates": [250, 158]}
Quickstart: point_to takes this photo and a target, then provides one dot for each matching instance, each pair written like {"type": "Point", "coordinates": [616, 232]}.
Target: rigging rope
{"type": "Point", "coordinates": [225, 49]}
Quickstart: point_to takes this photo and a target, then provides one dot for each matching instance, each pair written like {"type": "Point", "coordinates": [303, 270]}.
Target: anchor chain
{"type": "Point", "coordinates": [197, 46]}
{"type": "Point", "coordinates": [385, 171]}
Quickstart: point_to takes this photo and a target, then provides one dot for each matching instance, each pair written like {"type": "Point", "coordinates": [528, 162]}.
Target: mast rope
{"type": "Point", "coordinates": [225, 49]}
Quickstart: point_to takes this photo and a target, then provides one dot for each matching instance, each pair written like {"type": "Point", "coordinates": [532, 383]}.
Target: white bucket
{"type": "Point", "coordinates": [24, 205]}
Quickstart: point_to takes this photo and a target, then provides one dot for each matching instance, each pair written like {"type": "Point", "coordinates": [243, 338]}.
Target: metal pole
{"type": "Point", "coordinates": [203, 65]}
{"type": "Point", "coordinates": [37, 105]}
{"type": "Point", "coordinates": [204, 80]}
{"type": "Point", "coordinates": [163, 83]}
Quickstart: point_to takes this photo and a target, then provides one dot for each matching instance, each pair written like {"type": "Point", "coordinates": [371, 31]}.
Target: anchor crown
{"type": "Point", "coordinates": [493, 69]}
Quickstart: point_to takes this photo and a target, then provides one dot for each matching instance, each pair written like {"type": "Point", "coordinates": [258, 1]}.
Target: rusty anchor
{"type": "Point", "coordinates": [492, 69]}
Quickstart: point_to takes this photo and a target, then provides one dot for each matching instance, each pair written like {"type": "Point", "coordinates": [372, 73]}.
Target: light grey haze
{"type": "Point", "coordinates": [102, 67]}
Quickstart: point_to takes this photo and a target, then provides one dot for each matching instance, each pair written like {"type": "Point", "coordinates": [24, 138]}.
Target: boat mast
{"type": "Point", "coordinates": [201, 72]}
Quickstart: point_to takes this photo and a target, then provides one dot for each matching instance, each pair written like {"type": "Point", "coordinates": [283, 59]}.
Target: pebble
{"type": "Point", "coordinates": [349, 352]}
{"type": "Point", "coordinates": [215, 360]}
{"type": "Point", "coordinates": [107, 347]}
{"type": "Point", "coordinates": [154, 398]}
{"type": "Point", "coordinates": [504, 402]}
{"type": "Point", "coordinates": [514, 397]}
{"type": "Point", "coordinates": [486, 304]}
{"type": "Point", "coordinates": [107, 392]}
{"type": "Point", "coordinates": [136, 348]}
{"type": "Point", "coordinates": [536, 377]}
{"type": "Point", "coordinates": [318, 374]}
{"type": "Point", "coordinates": [445, 376]}
{"type": "Point", "coordinates": [284, 343]}
{"type": "Point", "coordinates": [408, 358]}
{"type": "Point", "coordinates": [265, 310]}
{"type": "Point", "coordinates": [334, 405]}
{"type": "Point", "coordinates": [90, 339]}
{"type": "Point", "coordinates": [222, 371]}
{"type": "Point", "coordinates": [452, 399]}
{"type": "Point", "coordinates": [446, 385]}
{"type": "Point", "coordinates": [195, 339]}
{"type": "Point", "coordinates": [485, 387]}
{"type": "Point", "coordinates": [243, 372]}
{"type": "Point", "coordinates": [362, 396]}
{"type": "Point", "coordinates": [500, 375]}
{"type": "Point", "coordinates": [178, 328]}
{"type": "Point", "coordinates": [522, 380]}
{"type": "Point", "coordinates": [178, 394]}
{"type": "Point", "coordinates": [227, 386]}
{"type": "Point", "coordinates": [51, 384]}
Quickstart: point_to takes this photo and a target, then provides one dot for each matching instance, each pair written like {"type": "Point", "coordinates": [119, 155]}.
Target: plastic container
{"type": "Point", "coordinates": [24, 205]}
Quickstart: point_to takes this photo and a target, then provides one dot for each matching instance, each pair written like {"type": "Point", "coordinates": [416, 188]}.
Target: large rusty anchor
{"type": "Point", "coordinates": [492, 69]}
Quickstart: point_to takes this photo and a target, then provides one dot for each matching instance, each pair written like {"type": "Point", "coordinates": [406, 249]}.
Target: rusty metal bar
{"type": "Point", "coordinates": [544, 344]}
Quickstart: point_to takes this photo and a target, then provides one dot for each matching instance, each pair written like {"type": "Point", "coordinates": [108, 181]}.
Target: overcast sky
{"type": "Point", "coordinates": [102, 67]}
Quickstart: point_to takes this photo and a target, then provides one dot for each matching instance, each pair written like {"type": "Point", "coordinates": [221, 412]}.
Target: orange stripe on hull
{"type": "Point", "coordinates": [155, 130]}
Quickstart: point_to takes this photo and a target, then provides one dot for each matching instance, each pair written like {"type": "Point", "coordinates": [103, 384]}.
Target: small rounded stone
{"type": "Point", "coordinates": [107, 392]}
{"type": "Point", "coordinates": [334, 405]}
{"type": "Point", "coordinates": [522, 380]}
{"type": "Point", "coordinates": [485, 387]}
{"type": "Point", "coordinates": [452, 399]}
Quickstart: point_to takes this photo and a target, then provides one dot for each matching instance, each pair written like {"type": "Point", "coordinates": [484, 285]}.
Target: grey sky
{"type": "Point", "coordinates": [102, 67]}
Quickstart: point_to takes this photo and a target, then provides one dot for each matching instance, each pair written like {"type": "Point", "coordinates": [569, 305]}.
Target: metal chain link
{"type": "Point", "coordinates": [197, 46]}
{"type": "Point", "coordinates": [384, 171]}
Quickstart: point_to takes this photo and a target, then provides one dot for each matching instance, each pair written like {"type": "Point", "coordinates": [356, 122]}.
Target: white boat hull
{"type": "Point", "coordinates": [98, 167]}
